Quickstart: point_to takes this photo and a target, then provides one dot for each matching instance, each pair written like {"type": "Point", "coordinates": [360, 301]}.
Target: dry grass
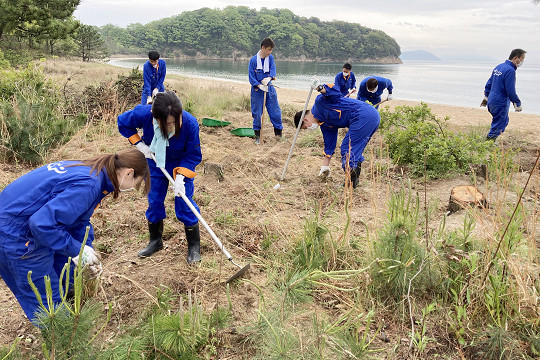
{"type": "Point", "coordinates": [258, 213]}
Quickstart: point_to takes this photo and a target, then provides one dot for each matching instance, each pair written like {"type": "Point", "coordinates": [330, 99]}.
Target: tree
{"type": "Point", "coordinates": [34, 18]}
{"type": "Point", "coordinates": [89, 42]}
{"type": "Point", "coordinates": [237, 32]}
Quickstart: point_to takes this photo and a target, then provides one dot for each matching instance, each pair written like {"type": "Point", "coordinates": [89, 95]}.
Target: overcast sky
{"type": "Point", "coordinates": [442, 27]}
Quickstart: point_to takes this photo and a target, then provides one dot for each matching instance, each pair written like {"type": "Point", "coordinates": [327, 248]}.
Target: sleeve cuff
{"type": "Point", "coordinates": [183, 171]}
{"type": "Point", "coordinates": [133, 139]}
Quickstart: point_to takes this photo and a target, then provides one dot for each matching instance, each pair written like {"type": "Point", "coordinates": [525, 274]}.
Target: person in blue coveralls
{"type": "Point", "coordinates": [154, 71]}
{"type": "Point", "coordinates": [331, 112]}
{"type": "Point", "coordinates": [172, 136]}
{"type": "Point", "coordinates": [500, 90]}
{"type": "Point", "coordinates": [346, 81]}
{"type": "Point", "coordinates": [371, 89]}
{"type": "Point", "coordinates": [44, 215]}
{"type": "Point", "coordinates": [262, 70]}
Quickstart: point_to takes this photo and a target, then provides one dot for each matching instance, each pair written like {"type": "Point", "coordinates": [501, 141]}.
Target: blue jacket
{"type": "Point", "coordinates": [383, 83]}
{"type": "Point", "coordinates": [501, 86]}
{"type": "Point", "coordinates": [51, 206]}
{"type": "Point", "coordinates": [153, 78]}
{"type": "Point", "coordinates": [184, 150]}
{"type": "Point", "coordinates": [345, 83]}
{"type": "Point", "coordinates": [334, 111]}
{"type": "Point", "coordinates": [255, 76]}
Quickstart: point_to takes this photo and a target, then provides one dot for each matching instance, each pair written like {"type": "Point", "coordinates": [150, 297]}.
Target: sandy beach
{"type": "Point", "coordinates": [522, 125]}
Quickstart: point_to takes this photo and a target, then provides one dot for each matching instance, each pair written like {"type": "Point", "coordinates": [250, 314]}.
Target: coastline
{"type": "Point", "coordinates": [461, 118]}
{"type": "Point", "coordinates": [383, 61]}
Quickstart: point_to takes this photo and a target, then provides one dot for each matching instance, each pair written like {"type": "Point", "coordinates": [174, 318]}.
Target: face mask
{"type": "Point", "coordinates": [313, 126]}
{"type": "Point", "coordinates": [374, 90]}
{"type": "Point", "coordinates": [120, 186]}
{"type": "Point", "coordinates": [155, 66]}
{"type": "Point", "coordinates": [520, 63]}
{"type": "Point", "coordinates": [345, 74]}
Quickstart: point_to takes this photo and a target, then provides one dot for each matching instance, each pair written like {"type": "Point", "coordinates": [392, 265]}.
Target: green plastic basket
{"type": "Point", "coordinates": [214, 122]}
{"type": "Point", "coordinates": [243, 132]}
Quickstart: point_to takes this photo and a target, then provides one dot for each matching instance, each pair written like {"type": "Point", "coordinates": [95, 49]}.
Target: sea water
{"type": "Point", "coordinates": [440, 82]}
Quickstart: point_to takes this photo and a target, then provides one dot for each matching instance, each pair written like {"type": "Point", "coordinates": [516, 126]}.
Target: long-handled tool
{"type": "Point", "coordinates": [258, 141]}
{"type": "Point", "coordinates": [214, 237]}
{"type": "Point", "coordinates": [278, 185]}
{"type": "Point", "coordinates": [385, 100]}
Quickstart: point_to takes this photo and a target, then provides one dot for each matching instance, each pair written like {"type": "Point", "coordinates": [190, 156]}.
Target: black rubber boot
{"type": "Point", "coordinates": [156, 243]}
{"type": "Point", "coordinates": [278, 133]}
{"type": "Point", "coordinates": [257, 136]}
{"type": "Point", "coordinates": [194, 243]}
{"type": "Point", "coordinates": [355, 174]}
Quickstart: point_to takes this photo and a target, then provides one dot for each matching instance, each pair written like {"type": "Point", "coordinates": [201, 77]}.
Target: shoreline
{"type": "Point", "coordinates": [283, 87]}
{"type": "Point", "coordinates": [460, 117]}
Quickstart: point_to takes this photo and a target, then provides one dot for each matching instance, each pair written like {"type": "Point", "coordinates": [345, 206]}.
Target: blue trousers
{"type": "Point", "coordinates": [356, 140]}
{"type": "Point", "coordinates": [15, 262]}
{"type": "Point", "coordinates": [272, 107]}
{"type": "Point", "coordinates": [156, 201]}
{"type": "Point", "coordinates": [500, 119]}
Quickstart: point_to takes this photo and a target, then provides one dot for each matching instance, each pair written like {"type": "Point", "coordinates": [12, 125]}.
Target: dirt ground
{"type": "Point", "coordinates": [243, 209]}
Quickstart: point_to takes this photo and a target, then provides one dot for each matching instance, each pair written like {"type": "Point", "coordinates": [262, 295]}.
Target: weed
{"type": "Point", "coordinates": [226, 218]}
{"type": "Point", "coordinates": [497, 343]}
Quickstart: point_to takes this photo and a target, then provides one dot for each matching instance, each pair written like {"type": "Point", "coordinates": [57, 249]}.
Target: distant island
{"type": "Point", "coordinates": [235, 32]}
{"type": "Point", "coordinates": [419, 55]}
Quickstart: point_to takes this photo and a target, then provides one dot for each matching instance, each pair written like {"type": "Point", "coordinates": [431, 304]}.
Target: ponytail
{"type": "Point", "coordinates": [128, 158]}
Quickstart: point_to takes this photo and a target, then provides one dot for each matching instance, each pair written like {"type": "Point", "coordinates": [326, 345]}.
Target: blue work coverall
{"type": "Point", "coordinates": [345, 82]}
{"type": "Point", "coordinates": [43, 220]}
{"type": "Point", "coordinates": [334, 112]}
{"type": "Point", "coordinates": [374, 98]}
{"type": "Point", "coordinates": [257, 95]}
{"type": "Point", "coordinates": [182, 156]}
{"type": "Point", "coordinates": [501, 90]}
{"type": "Point", "coordinates": [153, 78]}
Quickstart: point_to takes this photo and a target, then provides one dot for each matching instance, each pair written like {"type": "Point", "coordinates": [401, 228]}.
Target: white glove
{"type": "Point", "coordinates": [517, 108]}
{"type": "Point", "coordinates": [148, 100]}
{"type": "Point", "coordinates": [154, 92]}
{"type": "Point", "coordinates": [179, 187]}
{"type": "Point", "coordinates": [145, 149]}
{"type": "Point", "coordinates": [325, 170]}
{"type": "Point", "coordinates": [352, 91]}
{"type": "Point", "coordinates": [89, 257]}
{"type": "Point", "coordinates": [389, 97]}
{"type": "Point", "coordinates": [266, 80]}
{"type": "Point", "coordinates": [315, 83]}
{"type": "Point", "coordinates": [263, 88]}
{"type": "Point", "coordinates": [484, 101]}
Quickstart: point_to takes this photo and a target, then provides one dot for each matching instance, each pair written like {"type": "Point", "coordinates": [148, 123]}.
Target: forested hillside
{"type": "Point", "coordinates": [236, 32]}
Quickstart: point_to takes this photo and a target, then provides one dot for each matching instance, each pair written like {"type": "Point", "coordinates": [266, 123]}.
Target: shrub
{"type": "Point", "coordinates": [31, 121]}
{"type": "Point", "coordinates": [418, 139]}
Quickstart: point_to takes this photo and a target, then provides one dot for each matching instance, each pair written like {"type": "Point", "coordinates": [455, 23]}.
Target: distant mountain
{"type": "Point", "coordinates": [418, 55]}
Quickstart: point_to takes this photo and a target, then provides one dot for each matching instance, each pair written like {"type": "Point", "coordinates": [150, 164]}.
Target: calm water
{"type": "Point", "coordinates": [452, 83]}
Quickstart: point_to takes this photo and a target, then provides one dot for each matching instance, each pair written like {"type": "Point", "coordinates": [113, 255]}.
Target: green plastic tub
{"type": "Point", "coordinates": [243, 132]}
{"type": "Point", "coordinates": [214, 122]}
